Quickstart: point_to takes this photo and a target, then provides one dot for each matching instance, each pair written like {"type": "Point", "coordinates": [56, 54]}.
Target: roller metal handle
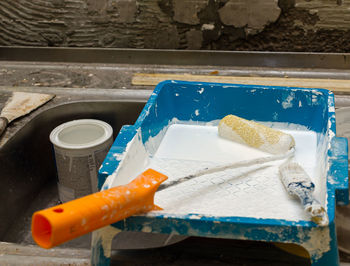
{"type": "Point", "coordinates": [3, 125]}
{"type": "Point", "coordinates": [56, 225]}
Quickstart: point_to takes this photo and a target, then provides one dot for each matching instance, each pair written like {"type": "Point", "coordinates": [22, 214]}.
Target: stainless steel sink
{"type": "Point", "coordinates": [27, 168]}
{"type": "Point", "coordinates": [29, 183]}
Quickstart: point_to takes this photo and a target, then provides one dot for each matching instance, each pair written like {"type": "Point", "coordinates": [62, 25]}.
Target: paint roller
{"type": "Point", "coordinates": [255, 135]}
{"type": "Point", "coordinates": [293, 176]}
{"type": "Point", "coordinates": [56, 225]}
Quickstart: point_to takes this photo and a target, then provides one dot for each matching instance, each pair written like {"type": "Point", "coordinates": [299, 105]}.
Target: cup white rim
{"type": "Point", "coordinates": [107, 133]}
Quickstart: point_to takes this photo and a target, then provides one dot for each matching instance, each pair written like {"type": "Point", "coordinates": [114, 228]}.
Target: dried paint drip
{"type": "Point", "coordinates": [298, 183]}
{"type": "Point", "coordinates": [255, 135]}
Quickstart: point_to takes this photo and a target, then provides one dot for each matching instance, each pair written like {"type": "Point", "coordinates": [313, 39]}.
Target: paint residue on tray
{"type": "Point", "coordinates": [287, 103]}
{"type": "Point", "coordinates": [104, 235]}
{"type": "Point", "coordinates": [317, 241]}
{"type": "Point", "coordinates": [136, 158]}
{"type": "Point", "coordinates": [183, 148]}
{"type": "Point", "coordinates": [246, 191]}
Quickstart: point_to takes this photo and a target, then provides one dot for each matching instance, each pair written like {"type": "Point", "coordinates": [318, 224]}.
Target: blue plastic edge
{"type": "Point", "coordinates": [338, 175]}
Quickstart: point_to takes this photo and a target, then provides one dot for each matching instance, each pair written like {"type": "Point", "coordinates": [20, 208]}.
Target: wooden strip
{"type": "Point", "coordinates": [19, 260]}
{"type": "Point", "coordinates": [36, 251]}
{"type": "Point", "coordinates": [336, 85]}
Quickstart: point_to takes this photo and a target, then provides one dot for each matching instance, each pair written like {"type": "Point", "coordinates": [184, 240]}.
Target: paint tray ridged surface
{"type": "Point", "coordinates": [176, 134]}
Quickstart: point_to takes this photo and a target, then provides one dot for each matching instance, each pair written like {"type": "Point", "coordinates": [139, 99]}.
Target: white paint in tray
{"type": "Point", "coordinates": [201, 143]}
{"type": "Point", "coordinates": [183, 148]}
{"type": "Point", "coordinates": [254, 191]}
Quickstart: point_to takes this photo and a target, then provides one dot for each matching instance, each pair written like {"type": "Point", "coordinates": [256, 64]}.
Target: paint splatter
{"type": "Point", "coordinates": [287, 103]}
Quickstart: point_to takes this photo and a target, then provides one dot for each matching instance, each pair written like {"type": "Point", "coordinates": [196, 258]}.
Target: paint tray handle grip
{"type": "Point", "coordinates": [61, 223]}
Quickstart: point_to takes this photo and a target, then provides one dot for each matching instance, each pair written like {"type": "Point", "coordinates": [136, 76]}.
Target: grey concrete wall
{"type": "Point", "coordinates": [276, 25]}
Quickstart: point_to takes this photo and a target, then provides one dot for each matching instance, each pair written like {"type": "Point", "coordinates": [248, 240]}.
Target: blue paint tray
{"type": "Point", "coordinates": [175, 134]}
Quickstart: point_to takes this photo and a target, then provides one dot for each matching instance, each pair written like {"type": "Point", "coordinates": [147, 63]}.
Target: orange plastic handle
{"type": "Point", "coordinates": [56, 225]}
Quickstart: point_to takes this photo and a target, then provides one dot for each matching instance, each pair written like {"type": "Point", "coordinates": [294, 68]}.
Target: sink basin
{"type": "Point", "coordinates": [29, 183]}
{"type": "Point", "coordinates": [28, 173]}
